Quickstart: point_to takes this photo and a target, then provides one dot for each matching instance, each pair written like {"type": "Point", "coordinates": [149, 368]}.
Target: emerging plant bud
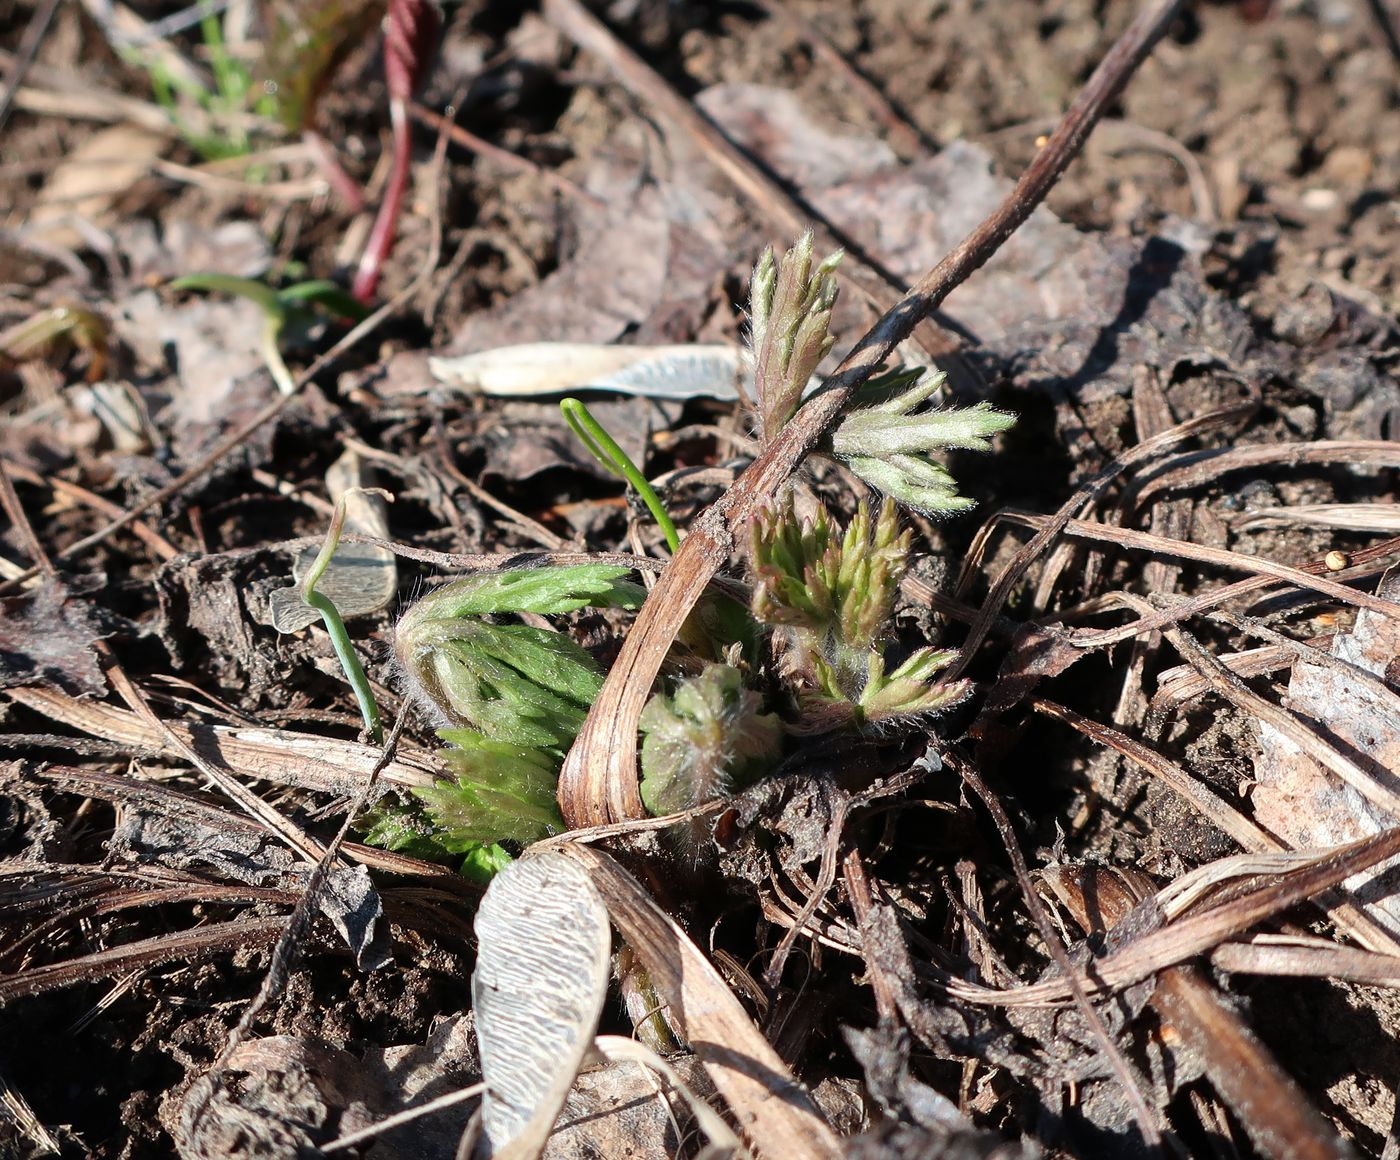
{"type": "Point", "coordinates": [891, 448]}
{"type": "Point", "coordinates": [835, 597]}
{"type": "Point", "coordinates": [703, 739]}
{"type": "Point", "coordinates": [520, 685]}
{"type": "Point", "coordinates": [522, 694]}
{"type": "Point", "coordinates": [836, 591]}
{"type": "Point", "coordinates": [502, 793]}
{"type": "Point", "coordinates": [789, 316]}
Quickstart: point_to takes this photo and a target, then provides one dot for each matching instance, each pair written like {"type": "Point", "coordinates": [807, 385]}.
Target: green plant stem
{"type": "Point", "coordinates": [335, 626]}
{"type": "Point", "coordinates": [272, 356]}
{"type": "Point", "coordinates": [605, 449]}
{"type": "Point", "coordinates": [345, 653]}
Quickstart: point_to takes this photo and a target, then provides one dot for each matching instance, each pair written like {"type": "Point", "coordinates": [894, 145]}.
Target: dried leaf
{"type": "Point", "coordinates": [88, 180]}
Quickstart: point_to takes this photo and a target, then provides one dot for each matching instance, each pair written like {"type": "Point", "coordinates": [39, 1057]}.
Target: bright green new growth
{"type": "Point", "coordinates": [335, 626]}
{"type": "Point", "coordinates": [891, 447]}
{"type": "Point", "coordinates": [224, 109]}
{"type": "Point", "coordinates": [789, 318]}
{"type": "Point", "coordinates": [518, 695]}
{"type": "Point", "coordinates": [880, 437]}
{"type": "Point", "coordinates": [514, 695]}
{"type": "Point", "coordinates": [502, 792]}
{"type": "Point", "coordinates": [518, 684]}
{"type": "Point", "coordinates": [703, 740]}
{"type": "Point", "coordinates": [835, 595]}
{"type": "Point", "coordinates": [603, 447]}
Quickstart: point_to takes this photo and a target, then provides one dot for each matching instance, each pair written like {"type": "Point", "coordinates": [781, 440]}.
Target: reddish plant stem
{"type": "Point", "coordinates": [386, 221]}
{"type": "Point", "coordinates": [599, 779]}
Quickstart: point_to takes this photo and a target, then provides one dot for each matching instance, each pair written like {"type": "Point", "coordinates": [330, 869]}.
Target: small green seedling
{"type": "Point", "coordinates": [291, 304]}
{"type": "Point", "coordinates": [225, 106]}
{"type": "Point", "coordinates": [335, 626]}
{"type": "Point", "coordinates": [605, 450]}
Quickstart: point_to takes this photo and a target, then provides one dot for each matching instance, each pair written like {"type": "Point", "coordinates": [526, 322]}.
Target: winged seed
{"type": "Point", "coordinates": [710, 371]}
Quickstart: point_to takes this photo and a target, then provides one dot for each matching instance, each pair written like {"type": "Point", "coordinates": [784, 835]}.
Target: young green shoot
{"type": "Point", "coordinates": [335, 626]}
{"type": "Point", "coordinates": [225, 107]}
{"type": "Point", "coordinates": [790, 307]}
{"type": "Point", "coordinates": [603, 447]}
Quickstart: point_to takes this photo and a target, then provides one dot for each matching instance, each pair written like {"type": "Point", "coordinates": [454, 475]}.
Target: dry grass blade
{"type": "Point", "coordinates": [36, 1140]}
{"type": "Point", "coordinates": [1176, 943]}
{"type": "Point", "coordinates": [1201, 467]}
{"type": "Point", "coordinates": [1353, 517]}
{"type": "Point", "coordinates": [185, 946]}
{"type": "Point", "coordinates": [134, 792]}
{"type": "Point", "coordinates": [1307, 959]}
{"type": "Point", "coordinates": [599, 779]}
{"type": "Point", "coordinates": [1292, 727]}
{"type": "Point", "coordinates": [1176, 686]}
{"type": "Point", "coordinates": [775, 1115]}
{"type": "Point", "coordinates": [1185, 549]}
{"type": "Point", "coordinates": [301, 760]}
{"type": "Point", "coordinates": [1183, 609]}
{"type": "Point", "coordinates": [1050, 527]}
{"type": "Point", "coordinates": [1346, 914]}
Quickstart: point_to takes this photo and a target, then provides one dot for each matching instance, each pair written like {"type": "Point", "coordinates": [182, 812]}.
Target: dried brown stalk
{"type": "Point", "coordinates": [599, 780]}
{"type": "Point", "coordinates": [1348, 915]}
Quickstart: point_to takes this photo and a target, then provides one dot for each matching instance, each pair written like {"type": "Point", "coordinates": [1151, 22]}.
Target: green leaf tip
{"type": "Point", "coordinates": [833, 594]}
{"type": "Point", "coordinates": [502, 792]}
{"type": "Point", "coordinates": [890, 445]}
{"type": "Point", "coordinates": [520, 684]}
{"type": "Point", "coordinates": [790, 304]}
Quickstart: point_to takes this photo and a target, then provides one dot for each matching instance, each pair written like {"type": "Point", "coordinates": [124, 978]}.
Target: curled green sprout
{"type": "Point", "coordinates": [330, 616]}
{"type": "Point", "coordinates": [605, 450]}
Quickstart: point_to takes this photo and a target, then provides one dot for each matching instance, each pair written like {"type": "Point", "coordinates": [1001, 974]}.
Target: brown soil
{"type": "Point", "coordinates": [1259, 147]}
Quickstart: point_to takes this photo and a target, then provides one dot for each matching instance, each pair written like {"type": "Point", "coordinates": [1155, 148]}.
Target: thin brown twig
{"type": "Point", "coordinates": [503, 157]}
{"type": "Point", "coordinates": [599, 779]}
{"type": "Point", "coordinates": [1050, 527]}
{"type": "Point", "coordinates": [19, 519]}
{"type": "Point", "coordinates": [235, 439]}
{"type": "Point", "coordinates": [783, 214]}
{"type": "Point", "coordinates": [1195, 605]}
{"type": "Point", "coordinates": [72, 491]}
{"type": "Point", "coordinates": [1275, 1112]}
{"type": "Point", "coordinates": [295, 838]}
{"type": "Point", "coordinates": [1185, 549]}
{"type": "Point", "coordinates": [1348, 915]}
{"type": "Point", "coordinates": [23, 60]}
{"type": "Point", "coordinates": [1188, 937]}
